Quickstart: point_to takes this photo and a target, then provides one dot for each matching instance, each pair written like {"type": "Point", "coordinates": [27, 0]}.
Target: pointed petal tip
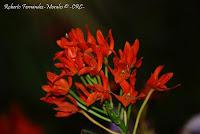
{"type": "Point", "coordinates": [110, 32]}
{"type": "Point", "coordinates": [58, 42]}
{"type": "Point", "coordinates": [161, 66]}
{"type": "Point", "coordinates": [50, 74]}
{"type": "Point", "coordinates": [170, 74]}
{"type": "Point", "coordinates": [137, 41]}
{"type": "Point", "coordinates": [127, 43]}
{"type": "Point", "coordinates": [99, 32]}
{"type": "Point", "coordinates": [159, 69]}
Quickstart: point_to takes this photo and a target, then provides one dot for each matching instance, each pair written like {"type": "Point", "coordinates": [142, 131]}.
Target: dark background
{"type": "Point", "coordinates": [168, 33]}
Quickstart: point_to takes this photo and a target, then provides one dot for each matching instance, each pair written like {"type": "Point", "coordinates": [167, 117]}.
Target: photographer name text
{"type": "Point", "coordinates": [41, 6]}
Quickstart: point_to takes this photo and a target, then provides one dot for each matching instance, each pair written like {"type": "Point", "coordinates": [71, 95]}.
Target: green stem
{"type": "Point", "coordinates": [106, 71]}
{"type": "Point", "coordinates": [129, 112]}
{"type": "Point", "coordinates": [83, 80]}
{"type": "Point", "coordinates": [125, 117]}
{"type": "Point", "coordinates": [77, 98]}
{"type": "Point", "coordinates": [97, 123]}
{"type": "Point", "coordinates": [122, 113]}
{"type": "Point", "coordinates": [141, 109]}
{"type": "Point", "coordinates": [106, 68]}
{"type": "Point", "coordinates": [111, 102]}
{"type": "Point", "coordinates": [92, 112]}
{"type": "Point", "coordinates": [119, 104]}
{"type": "Point", "coordinates": [91, 79]}
{"type": "Point", "coordinates": [115, 117]}
{"type": "Point", "coordinates": [106, 74]}
{"type": "Point", "coordinates": [99, 79]}
{"type": "Point", "coordinates": [95, 79]}
{"type": "Point", "coordinates": [83, 103]}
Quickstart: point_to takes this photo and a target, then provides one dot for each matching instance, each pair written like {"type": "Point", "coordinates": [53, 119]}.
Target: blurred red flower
{"type": "Point", "coordinates": [15, 122]}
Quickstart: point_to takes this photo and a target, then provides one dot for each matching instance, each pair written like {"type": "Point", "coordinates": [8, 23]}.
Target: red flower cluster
{"type": "Point", "coordinates": [86, 58]}
{"type": "Point", "coordinates": [80, 56]}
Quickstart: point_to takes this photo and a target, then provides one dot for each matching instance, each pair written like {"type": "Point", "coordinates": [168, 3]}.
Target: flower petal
{"type": "Point", "coordinates": [125, 86]}
{"type": "Point", "coordinates": [154, 75]}
{"type": "Point", "coordinates": [165, 78]}
{"type": "Point", "coordinates": [51, 77]}
{"type": "Point", "coordinates": [90, 37]}
{"type": "Point", "coordinates": [111, 41]}
{"type": "Point", "coordinates": [46, 88]}
{"type": "Point", "coordinates": [105, 81]}
{"type": "Point", "coordinates": [92, 98]}
{"type": "Point", "coordinates": [82, 88]}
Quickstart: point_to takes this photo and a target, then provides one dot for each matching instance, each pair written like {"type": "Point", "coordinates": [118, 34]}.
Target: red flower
{"type": "Point", "coordinates": [129, 55]}
{"type": "Point", "coordinates": [64, 43]}
{"type": "Point", "coordinates": [93, 57]}
{"type": "Point", "coordinates": [64, 108]}
{"type": "Point", "coordinates": [120, 72]}
{"type": "Point", "coordinates": [57, 86]}
{"type": "Point", "coordinates": [105, 48]}
{"type": "Point", "coordinates": [82, 91]}
{"type": "Point", "coordinates": [97, 91]}
{"type": "Point", "coordinates": [70, 58]}
{"type": "Point", "coordinates": [129, 93]}
{"type": "Point", "coordinates": [93, 61]}
{"type": "Point", "coordinates": [128, 98]}
{"type": "Point", "coordinates": [126, 61]}
{"type": "Point", "coordinates": [157, 83]}
{"type": "Point", "coordinates": [68, 66]}
{"type": "Point", "coordinates": [76, 36]}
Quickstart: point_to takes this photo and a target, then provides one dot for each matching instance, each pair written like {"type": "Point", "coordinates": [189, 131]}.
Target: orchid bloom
{"type": "Point", "coordinates": [64, 108]}
{"type": "Point", "coordinates": [105, 48]}
{"type": "Point", "coordinates": [127, 59]}
{"type": "Point", "coordinates": [92, 65]}
{"type": "Point", "coordinates": [129, 55]}
{"type": "Point", "coordinates": [57, 86]}
{"type": "Point", "coordinates": [157, 83]}
{"type": "Point", "coordinates": [129, 93]}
